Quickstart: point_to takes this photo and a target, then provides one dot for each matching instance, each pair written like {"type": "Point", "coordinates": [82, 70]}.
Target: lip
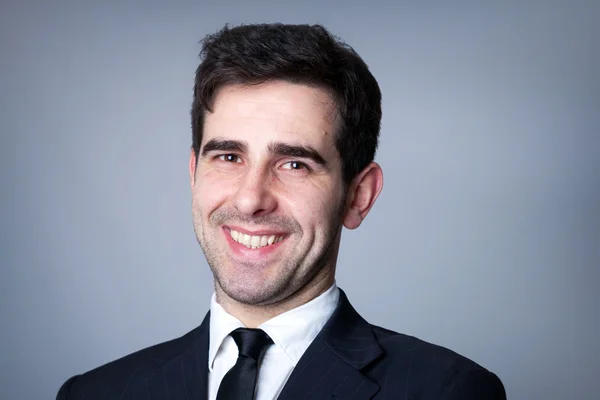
{"type": "Point", "coordinates": [243, 252]}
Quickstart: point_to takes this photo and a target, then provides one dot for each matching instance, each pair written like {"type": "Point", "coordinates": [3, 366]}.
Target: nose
{"type": "Point", "coordinates": [254, 196]}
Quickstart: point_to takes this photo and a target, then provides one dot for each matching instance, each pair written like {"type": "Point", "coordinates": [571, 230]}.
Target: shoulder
{"type": "Point", "coordinates": [118, 376]}
{"type": "Point", "coordinates": [398, 346]}
{"type": "Point", "coordinates": [410, 364]}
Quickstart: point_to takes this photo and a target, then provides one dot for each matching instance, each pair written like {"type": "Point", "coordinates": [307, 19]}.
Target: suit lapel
{"type": "Point", "coordinates": [330, 367]}
{"type": "Point", "coordinates": [184, 376]}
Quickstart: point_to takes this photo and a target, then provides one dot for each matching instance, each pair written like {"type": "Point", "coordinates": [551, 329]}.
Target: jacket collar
{"type": "Point", "coordinates": [331, 366]}
{"type": "Point", "coordinates": [185, 376]}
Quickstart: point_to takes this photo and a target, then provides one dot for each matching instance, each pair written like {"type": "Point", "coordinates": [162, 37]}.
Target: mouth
{"type": "Point", "coordinates": [255, 241]}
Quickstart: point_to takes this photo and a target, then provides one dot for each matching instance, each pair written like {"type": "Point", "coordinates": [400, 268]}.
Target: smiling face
{"type": "Point", "coordinates": [267, 192]}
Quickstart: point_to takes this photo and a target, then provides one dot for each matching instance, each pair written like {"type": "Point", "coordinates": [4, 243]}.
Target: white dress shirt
{"type": "Point", "coordinates": [292, 332]}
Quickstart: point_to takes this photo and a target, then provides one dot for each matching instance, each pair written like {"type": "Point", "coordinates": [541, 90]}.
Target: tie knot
{"type": "Point", "coordinates": [251, 342]}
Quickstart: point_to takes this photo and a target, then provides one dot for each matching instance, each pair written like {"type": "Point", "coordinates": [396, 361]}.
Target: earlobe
{"type": "Point", "coordinates": [363, 192]}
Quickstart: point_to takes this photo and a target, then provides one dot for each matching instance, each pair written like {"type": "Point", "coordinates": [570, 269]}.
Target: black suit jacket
{"type": "Point", "coordinates": [349, 359]}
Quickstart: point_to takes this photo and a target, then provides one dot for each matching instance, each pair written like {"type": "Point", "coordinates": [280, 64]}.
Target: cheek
{"type": "Point", "coordinates": [312, 207]}
{"type": "Point", "coordinates": [211, 191]}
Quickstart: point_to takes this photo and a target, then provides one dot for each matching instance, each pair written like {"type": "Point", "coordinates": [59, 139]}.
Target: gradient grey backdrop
{"type": "Point", "coordinates": [486, 238]}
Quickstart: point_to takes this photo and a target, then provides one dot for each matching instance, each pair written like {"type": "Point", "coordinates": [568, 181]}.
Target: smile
{"type": "Point", "coordinates": [254, 242]}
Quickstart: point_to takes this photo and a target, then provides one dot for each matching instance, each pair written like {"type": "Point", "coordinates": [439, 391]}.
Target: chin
{"type": "Point", "coordinates": [252, 293]}
{"type": "Point", "coordinates": [249, 297]}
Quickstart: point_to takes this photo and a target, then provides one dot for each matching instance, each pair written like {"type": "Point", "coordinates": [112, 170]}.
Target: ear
{"type": "Point", "coordinates": [362, 193]}
{"type": "Point", "coordinates": [192, 167]}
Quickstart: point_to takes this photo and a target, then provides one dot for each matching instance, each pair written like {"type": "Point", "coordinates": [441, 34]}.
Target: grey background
{"type": "Point", "coordinates": [486, 238]}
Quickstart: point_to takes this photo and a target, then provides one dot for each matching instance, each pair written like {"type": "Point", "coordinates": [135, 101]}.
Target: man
{"type": "Point", "coordinates": [285, 123]}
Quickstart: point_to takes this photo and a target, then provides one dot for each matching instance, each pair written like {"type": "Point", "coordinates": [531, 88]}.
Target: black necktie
{"type": "Point", "coordinates": [240, 381]}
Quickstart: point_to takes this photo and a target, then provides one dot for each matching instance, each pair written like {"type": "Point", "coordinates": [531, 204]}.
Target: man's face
{"type": "Point", "coordinates": [267, 190]}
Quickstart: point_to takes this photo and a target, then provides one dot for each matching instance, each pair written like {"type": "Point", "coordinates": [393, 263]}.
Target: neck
{"type": "Point", "coordinates": [254, 315]}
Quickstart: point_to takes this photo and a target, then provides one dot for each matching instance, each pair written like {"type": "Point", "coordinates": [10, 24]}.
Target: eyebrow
{"type": "Point", "coordinates": [276, 148]}
{"type": "Point", "coordinates": [224, 145]}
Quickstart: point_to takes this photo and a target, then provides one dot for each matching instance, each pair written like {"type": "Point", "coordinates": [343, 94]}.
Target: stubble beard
{"type": "Point", "coordinates": [285, 283]}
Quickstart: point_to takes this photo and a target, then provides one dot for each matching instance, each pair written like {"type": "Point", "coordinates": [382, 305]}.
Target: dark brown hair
{"type": "Point", "coordinates": [306, 54]}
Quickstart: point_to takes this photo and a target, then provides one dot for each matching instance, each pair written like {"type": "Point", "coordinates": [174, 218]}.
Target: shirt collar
{"type": "Point", "coordinates": [221, 325]}
{"type": "Point", "coordinates": [292, 331]}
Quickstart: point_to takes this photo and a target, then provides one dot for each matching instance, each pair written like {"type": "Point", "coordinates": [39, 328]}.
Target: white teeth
{"type": "Point", "coordinates": [246, 240]}
{"type": "Point", "coordinates": [254, 242]}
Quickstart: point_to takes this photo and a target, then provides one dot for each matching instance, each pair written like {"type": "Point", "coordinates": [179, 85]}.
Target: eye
{"type": "Point", "coordinates": [294, 165]}
{"type": "Point", "coordinates": [232, 158]}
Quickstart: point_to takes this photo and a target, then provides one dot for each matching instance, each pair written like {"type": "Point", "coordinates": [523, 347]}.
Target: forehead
{"type": "Point", "coordinates": [273, 111]}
